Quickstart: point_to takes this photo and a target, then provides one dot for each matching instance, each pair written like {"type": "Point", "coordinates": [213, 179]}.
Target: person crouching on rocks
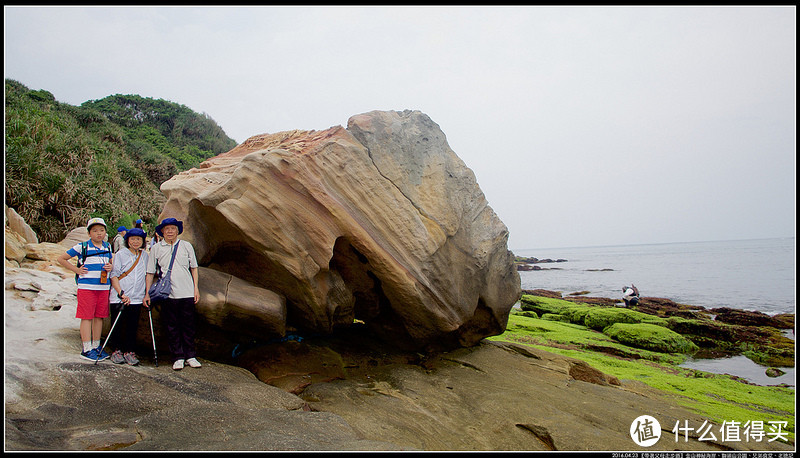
{"type": "Point", "coordinates": [126, 296]}
{"type": "Point", "coordinates": [630, 295]}
{"type": "Point", "coordinates": [178, 311]}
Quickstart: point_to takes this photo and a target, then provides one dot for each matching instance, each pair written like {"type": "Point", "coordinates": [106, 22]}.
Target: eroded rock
{"type": "Point", "coordinates": [380, 222]}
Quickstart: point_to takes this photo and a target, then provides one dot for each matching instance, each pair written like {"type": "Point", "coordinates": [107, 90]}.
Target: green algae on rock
{"type": "Point", "coordinates": [650, 337]}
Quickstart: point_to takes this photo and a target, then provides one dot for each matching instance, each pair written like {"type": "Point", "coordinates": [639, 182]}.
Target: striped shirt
{"type": "Point", "coordinates": [95, 265]}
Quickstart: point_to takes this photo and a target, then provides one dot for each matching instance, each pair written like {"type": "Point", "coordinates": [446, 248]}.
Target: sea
{"type": "Point", "coordinates": [754, 275]}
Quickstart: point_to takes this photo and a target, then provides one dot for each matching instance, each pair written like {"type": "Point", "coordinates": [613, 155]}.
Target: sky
{"type": "Point", "coordinates": [584, 126]}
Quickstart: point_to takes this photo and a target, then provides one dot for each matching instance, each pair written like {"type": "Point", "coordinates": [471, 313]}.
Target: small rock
{"type": "Point", "coordinates": [774, 372]}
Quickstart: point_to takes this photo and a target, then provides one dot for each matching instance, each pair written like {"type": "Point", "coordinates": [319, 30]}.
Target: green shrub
{"type": "Point", "coordinates": [104, 158]}
{"type": "Point", "coordinates": [650, 337]}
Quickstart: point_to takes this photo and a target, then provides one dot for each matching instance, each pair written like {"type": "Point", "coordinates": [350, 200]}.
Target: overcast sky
{"type": "Point", "coordinates": [584, 125]}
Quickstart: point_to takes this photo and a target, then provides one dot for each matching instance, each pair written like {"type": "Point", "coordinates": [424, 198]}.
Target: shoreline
{"type": "Point", "coordinates": [748, 274]}
{"type": "Point", "coordinates": [584, 297]}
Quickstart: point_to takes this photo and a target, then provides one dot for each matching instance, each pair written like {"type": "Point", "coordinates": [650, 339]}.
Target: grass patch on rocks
{"type": "Point", "coordinates": [650, 337]}
{"type": "Point", "coordinates": [602, 317]}
{"type": "Point", "coordinates": [718, 397]}
{"type": "Point", "coordinates": [561, 334]}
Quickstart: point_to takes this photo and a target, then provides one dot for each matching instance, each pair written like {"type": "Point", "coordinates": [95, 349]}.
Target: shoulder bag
{"type": "Point", "coordinates": [163, 286]}
{"type": "Point", "coordinates": [131, 269]}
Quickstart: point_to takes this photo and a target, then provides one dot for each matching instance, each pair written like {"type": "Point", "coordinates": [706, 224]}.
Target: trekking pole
{"type": "Point", "coordinates": [152, 334]}
{"type": "Point", "coordinates": [107, 337]}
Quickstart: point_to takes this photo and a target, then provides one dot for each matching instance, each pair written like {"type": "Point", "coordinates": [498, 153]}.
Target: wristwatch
{"type": "Point", "coordinates": [121, 293]}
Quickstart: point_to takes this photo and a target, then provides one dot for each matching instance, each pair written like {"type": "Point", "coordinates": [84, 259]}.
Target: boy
{"type": "Point", "coordinates": [93, 287]}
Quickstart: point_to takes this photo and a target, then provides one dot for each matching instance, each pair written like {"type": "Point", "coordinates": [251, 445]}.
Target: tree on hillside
{"type": "Point", "coordinates": [192, 137]}
{"type": "Point", "coordinates": [104, 158]}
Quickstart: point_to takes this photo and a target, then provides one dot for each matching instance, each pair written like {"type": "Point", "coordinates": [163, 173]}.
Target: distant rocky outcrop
{"type": "Point", "coordinates": [380, 222]}
{"type": "Point", "coordinates": [747, 318]}
{"type": "Point", "coordinates": [524, 263]}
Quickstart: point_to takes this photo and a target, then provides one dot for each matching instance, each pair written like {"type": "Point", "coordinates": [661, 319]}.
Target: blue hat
{"type": "Point", "coordinates": [169, 222]}
{"type": "Point", "coordinates": [135, 232]}
{"type": "Point", "coordinates": [122, 228]}
{"type": "Point", "coordinates": [138, 221]}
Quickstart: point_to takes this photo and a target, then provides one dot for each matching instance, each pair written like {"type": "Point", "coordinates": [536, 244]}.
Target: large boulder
{"type": "Point", "coordinates": [74, 237]}
{"type": "Point", "coordinates": [17, 223]}
{"type": "Point", "coordinates": [232, 303]}
{"type": "Point", "coordinates": [379, 222]}
{"type": "Point", "coordinates": [15, 246]}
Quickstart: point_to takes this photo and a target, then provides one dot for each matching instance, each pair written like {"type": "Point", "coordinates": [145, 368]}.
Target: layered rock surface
{"type": "Point", "coordinates": [357, 393]}
{"type": "Point", "coordinates": [379, 222]}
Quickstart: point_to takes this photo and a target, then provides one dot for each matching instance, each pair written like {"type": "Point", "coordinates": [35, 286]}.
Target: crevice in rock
{"type": "Point", "coordinates": [516, 349]}
{"type": "Point", "coordinates": [354, 268]}
{"type": "Point", "coordinates": [372, 305]}
{"type": "Point", "coordinates": [541, 433]}
{"type": "Point", "coordinates": [419, 209]}
{"type": "Point", "coordinates": [482, 323]}
{"type": "Point", "coordinates": [465, 364]}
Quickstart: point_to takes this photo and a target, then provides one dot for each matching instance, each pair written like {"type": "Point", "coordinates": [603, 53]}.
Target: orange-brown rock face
{"type": "Point", "coordinates": [380, 222]}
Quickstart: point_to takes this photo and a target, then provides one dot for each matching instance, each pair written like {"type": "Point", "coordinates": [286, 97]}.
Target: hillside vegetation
{"type": "Point", "coordinates": [106, 158]}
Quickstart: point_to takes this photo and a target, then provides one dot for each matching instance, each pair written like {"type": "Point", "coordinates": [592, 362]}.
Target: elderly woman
{"type": "Point", "coordinates": [178, 311]}
{"type": "Point", "coordinates": [126, 295]}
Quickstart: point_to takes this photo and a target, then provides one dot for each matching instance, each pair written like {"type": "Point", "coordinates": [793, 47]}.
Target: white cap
{"type": "Point", "coordinates": [94, 221]}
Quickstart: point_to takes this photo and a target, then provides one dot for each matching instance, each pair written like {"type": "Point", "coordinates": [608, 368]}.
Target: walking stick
{"type": "Point", "coordinates": [152, 334]}
{"type": "Point", "coordinates": [107, 337]}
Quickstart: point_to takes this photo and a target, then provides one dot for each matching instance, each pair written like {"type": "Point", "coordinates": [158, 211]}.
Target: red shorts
{"type": "Point", "coordinates": [92, 304]}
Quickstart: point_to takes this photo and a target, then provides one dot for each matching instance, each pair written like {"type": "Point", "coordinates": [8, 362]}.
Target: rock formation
{"type": "Point", "coordinates": [379, 222]}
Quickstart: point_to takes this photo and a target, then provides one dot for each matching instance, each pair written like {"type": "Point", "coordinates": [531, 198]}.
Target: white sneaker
{"type": "Point", "coordinates": [178, 365]}
{"type": "Point", "coordinates": [193, 362]}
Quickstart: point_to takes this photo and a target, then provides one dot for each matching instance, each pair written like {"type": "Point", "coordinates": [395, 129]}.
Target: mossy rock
{"type": "Point", "coordinates": [650, 337]}
{"type": "Point", "coordinates": [528, 313]}
{"type": "Point", "coordinates": [555, 317]}
{"type": "Point", "coordinates": [600, 318]}
{"type": "Point", "coordinates": [577, 313]}
{"type": "Point", "coordinates": [573, 312]}
{"type": "Point", "coordinates": [774, 372]}
{"type": "Point", "coordinates": [542, 305]}
{"type": "Point", "coordinates": [767, 356]}
{"type": "Point", "coordinates": [702, 328]}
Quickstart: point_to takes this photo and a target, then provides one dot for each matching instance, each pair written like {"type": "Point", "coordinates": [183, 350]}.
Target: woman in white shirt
{"type": "Point", "coordinates": [126, 296]}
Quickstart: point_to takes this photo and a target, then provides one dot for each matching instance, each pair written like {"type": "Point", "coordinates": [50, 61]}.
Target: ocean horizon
{"type": "Point", "coordinates": [749, 274]}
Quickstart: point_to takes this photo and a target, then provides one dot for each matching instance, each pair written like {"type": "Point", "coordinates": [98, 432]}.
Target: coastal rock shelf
{"type": "Point", "coordinates": [354, 392]}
